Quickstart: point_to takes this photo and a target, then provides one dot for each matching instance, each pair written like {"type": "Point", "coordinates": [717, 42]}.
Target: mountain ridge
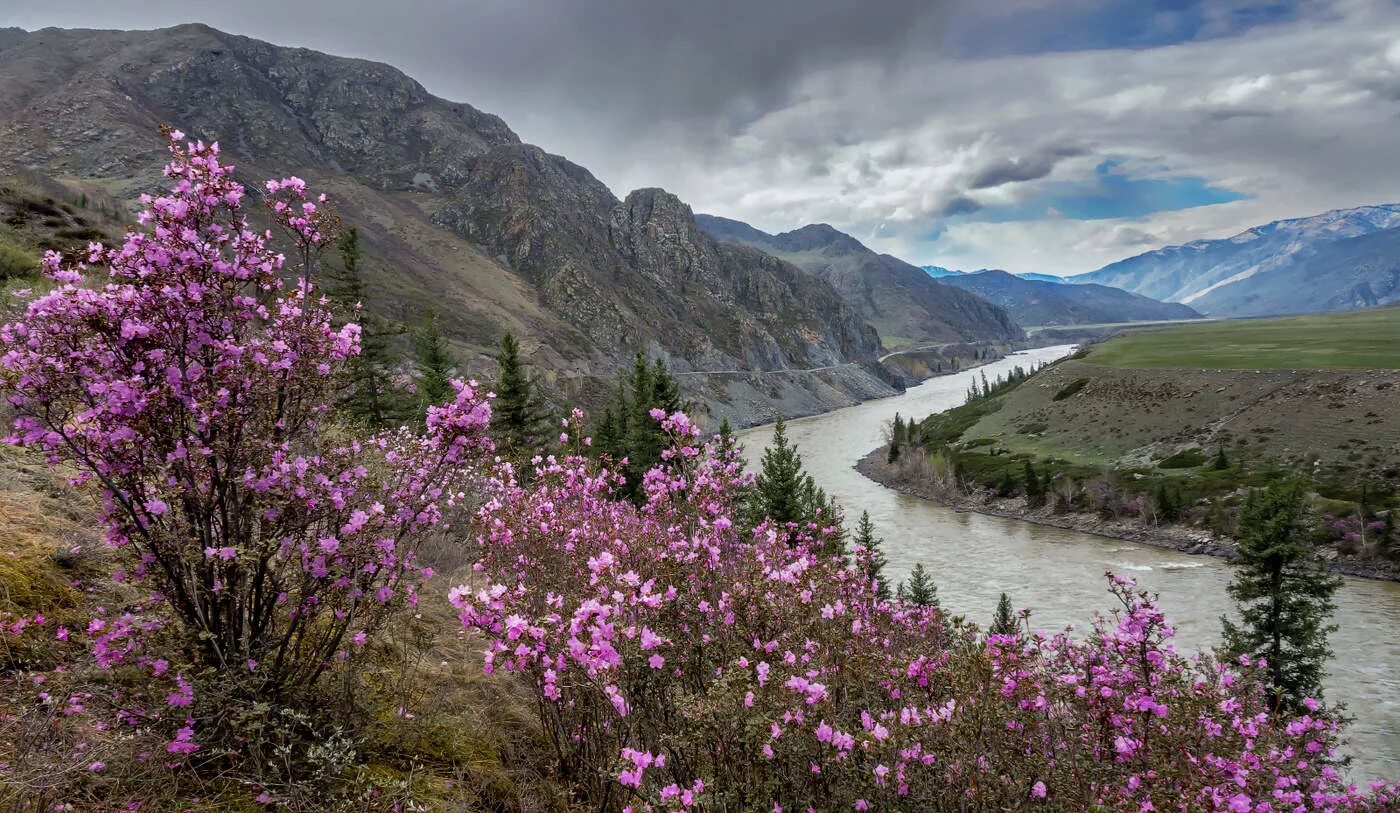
{"type": "Point", "coordinates": [1040, 303]}
{"type": "Point", "coordinates": [903, 302]}
{"type": "Point", "coordinates": [458, 213]}
{"type": "Point", "coordinates": [1294, 265]}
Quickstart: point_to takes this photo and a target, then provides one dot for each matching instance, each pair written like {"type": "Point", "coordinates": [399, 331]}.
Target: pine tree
{"type": "Point", "coordinates": [1035, 489]}
{"type": "Point", "coordinates": [434, 362]}
{"type": "Point", "coordinates": [1004, 622]}
{"type": "Point", "coordinates": [1167, 506]}
{"type": "Point", "coordinates": [777, 490]}
{"type": "Point", "coordinates": [626, 428]}
{"type": "Point", "coordinates": [875, 561]}
{"type": "Point", "coordinates": [1221, 461]}
{"type": "Point", "coordinates": [1283, 595]}
{"type": "Point", "coordinates": [371, 398]}
{"type": "Point", "coordinates": [517, 413]}
{"type": "Point", "coordinates": [920, 590]}
{"type": "Point", "coordinates": [896, 438]}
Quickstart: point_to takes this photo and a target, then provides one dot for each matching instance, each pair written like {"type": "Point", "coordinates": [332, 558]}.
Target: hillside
{"type": "Point", "coordinates": [1340, 260]}
{"type": "Point", "coordinates": [1156, 436]}
{"type": "Point", "coordinates": [900, 300]}
{"type": "Point", "coordinates": [457, 214]}
{"type": "Point", "coordinates": [1037, 302]}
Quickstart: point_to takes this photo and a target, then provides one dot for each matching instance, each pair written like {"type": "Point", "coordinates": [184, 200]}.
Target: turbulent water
{"type": "Point", "coordinates": [1059, 573]}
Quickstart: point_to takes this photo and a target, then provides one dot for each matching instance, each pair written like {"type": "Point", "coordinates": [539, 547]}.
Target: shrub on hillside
{"type": "Point", "coordinates": [682, 665]}
{"type": "Point", "coordinates": [188, 380]}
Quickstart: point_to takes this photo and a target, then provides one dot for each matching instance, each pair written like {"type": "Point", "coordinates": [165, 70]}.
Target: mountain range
{"type": "Point", "coordinates": [1036, 302]}
{"type": "Point", "coordinates": [906, 305]}
{"type": "Point", "coordinates": [456, 213]}
{"type": "Point", "coordinates": [939, 272]}
{"type": "Point", "coordinates": [1339, 260]}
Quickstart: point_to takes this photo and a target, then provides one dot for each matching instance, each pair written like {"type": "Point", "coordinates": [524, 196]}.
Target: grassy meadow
{"type": "Point", "coordinates": [1355, 340]}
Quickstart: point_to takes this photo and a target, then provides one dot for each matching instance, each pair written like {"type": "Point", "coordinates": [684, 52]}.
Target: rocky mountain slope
{"type": "Point", "coordinates": [903, 302]}
{"type": "Point", "coordinates": [1340, 260]}
{"type": "Point", "coordinates": [1035, 302]}
{"type": "Point", "coordinates": [456, 212]}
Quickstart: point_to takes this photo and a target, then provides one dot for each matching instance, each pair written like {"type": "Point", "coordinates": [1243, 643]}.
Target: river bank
{"type": "Point", "coordinates": [1059, 572]}
{"type": "Point", "coordinates": [1181, 538]}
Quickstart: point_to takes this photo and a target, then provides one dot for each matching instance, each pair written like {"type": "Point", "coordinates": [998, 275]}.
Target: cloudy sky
{"type": "Point", "coordinates": [1033, 135]}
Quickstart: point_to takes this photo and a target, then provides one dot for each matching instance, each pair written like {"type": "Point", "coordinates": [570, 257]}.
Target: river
{"type": "Point", "coordinates": [1059, 573]}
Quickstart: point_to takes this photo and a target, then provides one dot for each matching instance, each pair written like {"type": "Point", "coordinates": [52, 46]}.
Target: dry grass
{"type": "Point", "coordinates": [431, 729]}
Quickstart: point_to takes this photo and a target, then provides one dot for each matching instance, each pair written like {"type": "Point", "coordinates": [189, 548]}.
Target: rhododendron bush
{"type": "Point", "coordinates": [185, 374]}
{"type": "Point", "coordinates": [681, 664]}
{"type": "Point", "coordinates": [680, 659]}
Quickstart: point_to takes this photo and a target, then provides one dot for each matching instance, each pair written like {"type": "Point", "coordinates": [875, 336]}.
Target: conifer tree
{"type": "Point", "coordinates": [1283, 596]}
{"type": "Point", "coordinates": [920, 590]}
{"type": "Point", "coordinates": [875, 563]}
{"type": "Point", "coordinates": [896, 438]}
{"type": "Point", "coordinates": [517, 413]}
{"type": "Point", "coordinates": [434, 362]}
{"type": "Point", "coordinates": [626, 429]}
{"type": "Point", "coordinates": [1035, 489]}
{"type": "Point", "coordinates": [1004, 622]}
{"type": "Point", "coordinates": [1389, 542]}
{"type": "Point", "coordinates": [727, 441]}
{"type": "Point", "coordinates": [1166, 504]}
{"type": "Point", "coordinates": [778, 488]}
{"type": "Point", "coordinates": [371, 398]}
{"type": "Point", "coordinates": [1221, 461]}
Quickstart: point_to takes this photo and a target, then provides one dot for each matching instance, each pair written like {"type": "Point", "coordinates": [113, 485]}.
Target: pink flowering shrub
{"type": "Point", "coordinates": [682, 665]}
{"type": "Point", "coordinates": [187, 378]}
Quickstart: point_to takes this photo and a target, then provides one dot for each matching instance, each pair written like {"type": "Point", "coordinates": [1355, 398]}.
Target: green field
{"type": "Point", "coordinates": [1355, 340]}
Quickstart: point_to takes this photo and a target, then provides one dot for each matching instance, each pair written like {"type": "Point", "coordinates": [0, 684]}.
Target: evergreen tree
{"type": "Point", "coordinates": [784, 493]}
{"type": "Point", "coordinates": [1283, 595]}
{"type": "Point", "coordinates": [727, 442]}
{"type": "Point", "coordinates": [1221, 461]}
{"type": "Point", "coordinates": [626, 428]}
{"type": "Point", "coordinates": [875, 563]}
{"type": "Point", "coordinates": [517, 414]}
{"type": "Point", "coordinates": [1167, 506]}
{"type": "Point", "coordinates": [920, 589]}
{"type": "Point", "coordinates": [371, 398]}
{"type": "Point", "coordinates": [434, 362]}
{"type": "Point", "coordinates": [778, 488]}
{"type": "Point", "coordinates": [1035, 489]}
{"type": "Point", "coordinates": [1004, 622]}
{"type": "Point", "coordinates": [896, 438]}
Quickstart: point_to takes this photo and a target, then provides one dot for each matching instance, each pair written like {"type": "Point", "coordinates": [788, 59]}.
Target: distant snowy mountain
{"type": "Point", "coordinates": [1338, 260]}
{"type": "Point", "coordinates": [938, 272]}
{"type": "Point", "coordinates": [1037, 302]}
{"type": "Point", "coordinates": [1042, 278]}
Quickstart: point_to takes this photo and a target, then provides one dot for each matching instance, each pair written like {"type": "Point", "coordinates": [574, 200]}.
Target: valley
{"type": "Point", "coordinates": [361, 455]}
{"type": "Point", "coordinates": [1058, 572]}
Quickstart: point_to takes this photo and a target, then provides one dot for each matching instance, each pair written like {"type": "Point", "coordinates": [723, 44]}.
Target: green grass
{"type": "Point", "coordinates": [1356, 340]}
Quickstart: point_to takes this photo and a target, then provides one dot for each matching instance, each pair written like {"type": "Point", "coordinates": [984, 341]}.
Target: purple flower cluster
{"type": "Point", "coordinates": [691, 666]}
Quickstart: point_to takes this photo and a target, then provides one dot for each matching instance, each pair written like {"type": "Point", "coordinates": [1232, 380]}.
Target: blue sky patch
{"type": "Point", "coordinates": [1101, 24]}
{"type": "Point", "coordinates": [1112, 194]}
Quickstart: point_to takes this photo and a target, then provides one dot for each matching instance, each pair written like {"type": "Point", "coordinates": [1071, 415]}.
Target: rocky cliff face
{"type": "Point", "coordinates": [902, 301]}
{"type": "Point", "coordinates": [459, 214]}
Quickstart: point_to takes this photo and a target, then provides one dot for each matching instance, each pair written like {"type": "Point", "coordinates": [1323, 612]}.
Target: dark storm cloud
{"type": "Point", "coordinates": [1021, 168]}
{"type": "Point", "coordinates": [630, 60]}
{"type": "Point", "coordinates": [916, 124]}
{"type": "Point", "coordinates": [960, 205]}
